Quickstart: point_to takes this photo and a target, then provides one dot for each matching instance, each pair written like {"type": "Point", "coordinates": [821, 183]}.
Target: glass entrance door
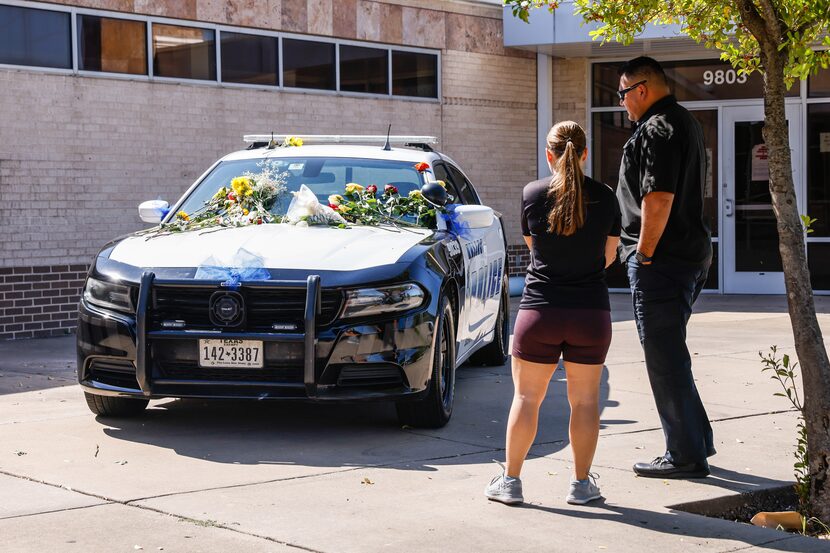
{"type": "Point", "coordinates": [752, 264]}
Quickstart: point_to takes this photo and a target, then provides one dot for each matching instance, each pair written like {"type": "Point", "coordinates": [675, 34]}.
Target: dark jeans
{"type": "Point", "coordinates": [663, 294]}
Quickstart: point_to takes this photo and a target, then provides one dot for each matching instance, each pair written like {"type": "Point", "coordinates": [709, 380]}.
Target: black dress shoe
{"type": "Point", "coordinates": [661, 467]}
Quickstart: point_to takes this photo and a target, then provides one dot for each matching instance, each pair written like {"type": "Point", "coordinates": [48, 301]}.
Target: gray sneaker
{"type": "Point", "coordinates": [504, 489]}
{"type": "Point", "coordinates": [583, 491]}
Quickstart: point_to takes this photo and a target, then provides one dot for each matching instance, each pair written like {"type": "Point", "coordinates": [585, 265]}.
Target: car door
{"type": "Point", "coordinates": [484, 259]}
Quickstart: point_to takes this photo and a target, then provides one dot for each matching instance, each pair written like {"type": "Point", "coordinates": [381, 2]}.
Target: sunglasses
{"type": "Point", "coordinates": [624, 91]}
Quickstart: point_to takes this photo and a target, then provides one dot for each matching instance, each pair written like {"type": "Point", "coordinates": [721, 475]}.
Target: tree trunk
{"type": "Point", "coordinates": [809, 345]}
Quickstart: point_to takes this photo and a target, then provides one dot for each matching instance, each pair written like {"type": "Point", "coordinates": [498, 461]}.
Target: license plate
{"type": "Point", "coordinates": [242, 354]}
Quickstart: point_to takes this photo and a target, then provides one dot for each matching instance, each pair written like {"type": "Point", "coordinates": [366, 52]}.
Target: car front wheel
{"type": "Point", "coordinates": [435, 409]}
{"type": "Point", "coordinates": [109, 406]}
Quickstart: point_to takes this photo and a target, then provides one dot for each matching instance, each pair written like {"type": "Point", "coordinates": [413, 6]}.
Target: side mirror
{"type": "Point", "coordinates": [475, 216]}
{"type": "Point", "coordinates": [434, 193]}
{"type": "Point", "coordinates": [153, 211]}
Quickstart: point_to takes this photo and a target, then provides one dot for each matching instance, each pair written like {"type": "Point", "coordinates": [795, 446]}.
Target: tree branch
{"type": "Point", "coordinates": [755, 23]}
{"type": "Point", "coordinates": [770, 15]}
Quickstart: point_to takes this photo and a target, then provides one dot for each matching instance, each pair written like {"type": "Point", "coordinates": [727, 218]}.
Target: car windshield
{"type": "Point", "coordinates": [324, 176]}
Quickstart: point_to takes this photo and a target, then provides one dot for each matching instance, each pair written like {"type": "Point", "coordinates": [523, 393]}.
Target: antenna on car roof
{"type": "Point", "coordinates": [272, 144]}
{"type": "Point", "coordinates": [388, 147]}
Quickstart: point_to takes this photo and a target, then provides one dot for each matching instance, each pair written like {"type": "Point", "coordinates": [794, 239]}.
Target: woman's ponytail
{"type": "Point", "coordinates": [566, 140]}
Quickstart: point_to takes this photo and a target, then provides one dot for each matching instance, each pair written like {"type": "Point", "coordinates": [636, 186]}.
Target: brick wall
{"type": "Point", "coordinates": [39, 301]}
{"type": "Point", "coordinates": [78, 154]}
{"type": "Point", "coordinates": [570, 90]}
{"type": "Point", "coordinates": [518, 259]}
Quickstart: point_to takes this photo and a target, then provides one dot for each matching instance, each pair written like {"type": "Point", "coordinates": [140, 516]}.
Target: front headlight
{"type": "Point", "coordinates": [378, 301]}
{"type": "Point", "coordinates": [109, 295]}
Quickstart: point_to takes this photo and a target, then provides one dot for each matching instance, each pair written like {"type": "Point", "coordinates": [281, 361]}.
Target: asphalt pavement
{"type": "Point", "coordinates": [196, 476]}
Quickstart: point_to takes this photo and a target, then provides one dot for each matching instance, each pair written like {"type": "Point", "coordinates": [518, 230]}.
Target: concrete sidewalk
{"type": "Point", "coordinates": [234, 476]}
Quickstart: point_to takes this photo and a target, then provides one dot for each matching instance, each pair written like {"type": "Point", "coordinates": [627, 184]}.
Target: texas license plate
{"type": "Point", "coordinates": [242, 354]}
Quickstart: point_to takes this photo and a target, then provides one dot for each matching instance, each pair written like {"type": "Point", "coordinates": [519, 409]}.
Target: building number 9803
{"type": "Point", "coordinates": [721, 76]}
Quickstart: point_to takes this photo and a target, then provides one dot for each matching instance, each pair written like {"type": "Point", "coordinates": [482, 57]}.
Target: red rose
{"type": "Point", "coordinates": [334, 207]}
{"type": "Point", "coordinates": [231, 197]}
{"type": "Point", "coordinates": [422, 166]}
{"type": "Point", "coordinates": [389, 189]}
{"type": "Point", "coordinates": [372, 189]}
{"type": "Point", "coordinates": [259, 221]}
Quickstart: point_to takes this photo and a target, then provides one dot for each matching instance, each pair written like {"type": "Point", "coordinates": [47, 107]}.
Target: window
{"type": "Point", "coordinates": [689, 81]}
{"type": "Point", "coordinates": [465, 189]}
{"type": "Point", "coordinates": [250, 59]}
{"type": "Point", "coordinates": [118, 44]}
{"type": "Point", "coordinates": [112, 45]}
{"type": "Point", "coordinates": [307, 64]}
{"type": "Point", "coordinates": [39, 38]}
{"type": "Point", "coordinates": [441, 174]}
{"type": "Point", "coordinates": [610, 131]}
{"type": "Point", "coordinates": [414, 74]}
{"type": "Point", "coordinates": [323, 176]}
{"type": "Point", "coordinates": [818, 260]}
{"type": "Point", "coordinates": [184, 52]}
{"type": "Point", "coordinates": [364, 69]}
{"type": "Point", "coordinates": [818, 168]}
{"type": "Point", "coordinates": [818, 85]}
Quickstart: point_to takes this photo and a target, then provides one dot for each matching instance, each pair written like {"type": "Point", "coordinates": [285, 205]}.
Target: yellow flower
{"type": "Point", "coordinates": [416, 194]}
{"type": "Point", "coordinates": [183, 216]}
{"type": "Point", "coordinates": [335, 199]}
{"type": "Point", "coordinates": [242, 186]}
{"type": "Point", "coordinates": [221, 193]}
{"type": "Point", "coordinates": [343, 208]}
{"type": "Point", "coordinates": [442, 183]}
{"type": "Point", "coordinates": [293, 141]}
{"type": "Point", "coordinates": [353, 188]}
{"type": "Point", "coordinates": [244, 212]}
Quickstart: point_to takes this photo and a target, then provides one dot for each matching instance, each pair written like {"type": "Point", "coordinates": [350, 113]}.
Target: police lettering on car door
{"type": "Point", "coordinates": [483, 254]}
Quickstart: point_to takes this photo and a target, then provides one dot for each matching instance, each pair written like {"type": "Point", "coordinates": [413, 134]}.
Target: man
{"type": "Point", "coordinates": [666, 245]}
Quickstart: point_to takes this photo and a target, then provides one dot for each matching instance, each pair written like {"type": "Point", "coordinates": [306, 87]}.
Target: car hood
{"type": "Point", "coordinates": [273, 246]}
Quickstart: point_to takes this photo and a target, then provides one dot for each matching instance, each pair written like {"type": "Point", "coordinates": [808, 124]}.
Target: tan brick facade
{"type": "Point", "coordinates": [77, 154]}
{"type": "Point", "coordinates": [570, 90]}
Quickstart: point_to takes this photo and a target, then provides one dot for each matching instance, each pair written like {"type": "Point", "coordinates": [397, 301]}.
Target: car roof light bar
{"type": "Point", "coordinates": [339, 139]}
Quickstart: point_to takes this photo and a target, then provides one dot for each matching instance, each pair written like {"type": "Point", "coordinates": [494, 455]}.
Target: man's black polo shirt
{"type": "Point", "coordinates": [666, 154]}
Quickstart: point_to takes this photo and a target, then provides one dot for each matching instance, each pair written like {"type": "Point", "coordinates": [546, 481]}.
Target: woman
{"type": "Point", "coordinates": [571, 224]}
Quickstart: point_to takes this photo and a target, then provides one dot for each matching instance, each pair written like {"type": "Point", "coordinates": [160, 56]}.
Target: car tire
{"type": "Point", "coordinates": [495, 353]}
{"type": "Point", "coordinates": [435, 408]}
{"type": "Point", "coordinates": [109, 406]}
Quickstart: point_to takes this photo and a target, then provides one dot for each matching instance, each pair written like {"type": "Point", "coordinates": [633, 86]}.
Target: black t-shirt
{"type": "Point", "coordinates": [568, 271]}
{"type": "Point", "coordinates": [666, 154]}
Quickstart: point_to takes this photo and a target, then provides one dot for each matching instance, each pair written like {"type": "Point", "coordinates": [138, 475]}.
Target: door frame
{"type": "Point", "coordinates": [734, 282]}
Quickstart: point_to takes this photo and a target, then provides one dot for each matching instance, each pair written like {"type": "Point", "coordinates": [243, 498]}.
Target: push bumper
{"type": "Point", "coordinates": [375, 359]}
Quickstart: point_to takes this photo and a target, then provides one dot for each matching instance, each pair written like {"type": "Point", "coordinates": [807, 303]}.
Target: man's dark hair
{"type": "Point", "coordinates": [643, 67]}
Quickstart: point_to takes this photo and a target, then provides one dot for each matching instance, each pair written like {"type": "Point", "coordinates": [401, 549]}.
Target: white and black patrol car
{"type": "Point", "coordinates": [362, 313]}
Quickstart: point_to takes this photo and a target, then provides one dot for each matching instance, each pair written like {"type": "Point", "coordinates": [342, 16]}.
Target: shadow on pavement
{"type": "Point", "coordinates": [338, 435]}
{"type": "Point", "coordinates": [684, 524]}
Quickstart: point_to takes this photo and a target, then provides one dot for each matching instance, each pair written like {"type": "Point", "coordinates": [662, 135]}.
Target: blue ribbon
{"type": "Point", "coordinates": [234, 276]}
{"type": "Point", "coordinates": [454, 223]}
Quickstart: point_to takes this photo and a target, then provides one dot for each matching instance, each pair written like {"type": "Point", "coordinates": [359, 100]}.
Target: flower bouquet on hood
{"type": "Point", "coordinates": [363, 206]}
{"type": "Point", "coordinates": [247, 201]}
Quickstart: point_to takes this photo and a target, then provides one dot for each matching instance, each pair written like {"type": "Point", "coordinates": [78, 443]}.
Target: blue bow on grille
{"type": "Point", "coordinates": [233, 276]}
{"type": "Point", "coordinates": [247, 267]}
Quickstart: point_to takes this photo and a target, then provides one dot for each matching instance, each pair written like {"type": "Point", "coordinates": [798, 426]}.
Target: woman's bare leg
{"type": "Point", "coordinates": [583, 396]}
{"type": "Point", "coordinates": [530, 382]}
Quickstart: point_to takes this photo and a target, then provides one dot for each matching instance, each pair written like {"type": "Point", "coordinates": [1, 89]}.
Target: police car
{"type": "Point", "coordinates": [385, 312]}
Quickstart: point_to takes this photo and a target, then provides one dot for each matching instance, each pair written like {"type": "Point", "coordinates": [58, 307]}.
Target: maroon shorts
{"type": "Point", "coordinates": [543, 334]}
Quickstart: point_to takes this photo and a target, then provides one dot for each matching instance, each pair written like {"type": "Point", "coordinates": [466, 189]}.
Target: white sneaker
{"type": "Point", "coordinates": [583, 491]}
{"type": "Point", "coordinates": [504, 489]}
